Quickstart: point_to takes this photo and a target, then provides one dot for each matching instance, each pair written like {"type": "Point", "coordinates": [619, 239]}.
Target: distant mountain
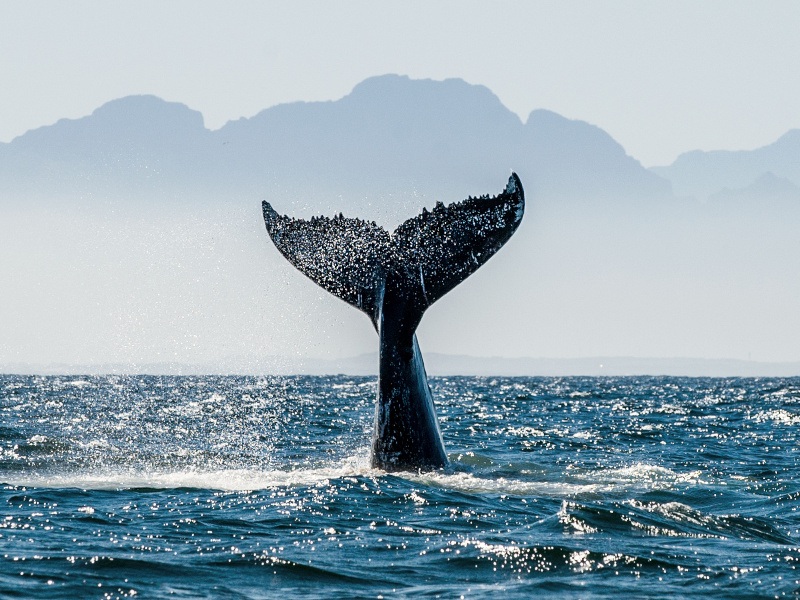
{"type": "Point", "coordinates": [702, 174]}
{"type": "Point", "coordinates": [131, 144]}
{"type": "Point", "coordinates": [573, 159]}
{"type": "Point", "coordinates": [767, 192]}
{"type": "Point", "coordinates": [390, 133]}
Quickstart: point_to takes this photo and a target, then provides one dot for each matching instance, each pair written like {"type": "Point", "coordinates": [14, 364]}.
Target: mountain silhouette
{"type": "Point", "coordinates": [701, 174]}
{"type": "Point", "coordinates": [573, 159]}
{"type": "Point", "coordinates": [390, 133]}
{"type": "Point", "coordinates": [129, 144]}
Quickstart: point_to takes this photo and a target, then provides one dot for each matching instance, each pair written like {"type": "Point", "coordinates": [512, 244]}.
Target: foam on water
{"type": "Point", "coordinates": [472, 484]}
{"type": "Point", "coordinates": [603, 481]}
{"type": "Point", "coordinates": [221, 479]}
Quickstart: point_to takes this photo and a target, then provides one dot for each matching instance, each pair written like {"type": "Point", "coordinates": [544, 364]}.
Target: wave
{"type": "Point", "coordinates": [210, 479]}
{"type": "Point", "coordinates": [638, 477]}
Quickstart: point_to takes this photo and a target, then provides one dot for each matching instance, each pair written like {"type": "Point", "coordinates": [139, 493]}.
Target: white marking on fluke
{"type": "Point", "coordinates": [422, 283]}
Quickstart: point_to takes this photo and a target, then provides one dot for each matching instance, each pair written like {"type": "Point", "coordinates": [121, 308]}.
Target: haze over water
{"type": "Point", "coordinates": [133, 238]}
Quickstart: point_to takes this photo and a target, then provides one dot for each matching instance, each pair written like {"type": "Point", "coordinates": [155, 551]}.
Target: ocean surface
{"type": "Point", "coordinates": [260, 487]}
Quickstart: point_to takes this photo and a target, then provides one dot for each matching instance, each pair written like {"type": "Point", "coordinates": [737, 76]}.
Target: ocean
{"type": "Point", "coordinates": [260, 487]}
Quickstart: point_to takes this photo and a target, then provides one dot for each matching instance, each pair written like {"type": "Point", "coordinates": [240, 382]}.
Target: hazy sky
{"type": "Point", "coordinates": [661, 77]}
{"type": "Point", "coordinates": [159, 281]}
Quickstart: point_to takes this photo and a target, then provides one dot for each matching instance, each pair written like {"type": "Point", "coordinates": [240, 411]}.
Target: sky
{"type": "Point", "coordinates": [661, 77]}
{"type": "Point", "coordinates": [157, 283]}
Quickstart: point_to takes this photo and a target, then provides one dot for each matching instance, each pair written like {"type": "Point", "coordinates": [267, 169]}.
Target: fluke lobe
{"type": "Point", "coordinates": [394, 278]}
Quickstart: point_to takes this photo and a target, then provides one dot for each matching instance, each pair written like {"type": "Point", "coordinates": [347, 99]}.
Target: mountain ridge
{"type": "Point", "coordinates": [701, 174]}
{"type": "Point", "coordinates": [389, 132]}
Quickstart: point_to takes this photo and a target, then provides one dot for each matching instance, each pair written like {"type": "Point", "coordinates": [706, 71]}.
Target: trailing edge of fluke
{"type": "Point", "coordinates": [394, 278]}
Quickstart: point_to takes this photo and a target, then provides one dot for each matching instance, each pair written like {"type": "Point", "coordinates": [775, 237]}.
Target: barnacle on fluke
{"type": "Point", "coordinates": [394, 278]}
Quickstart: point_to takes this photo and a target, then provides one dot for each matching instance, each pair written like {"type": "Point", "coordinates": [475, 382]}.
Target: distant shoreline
{"type": "Point", "coordinates": [437, 365]}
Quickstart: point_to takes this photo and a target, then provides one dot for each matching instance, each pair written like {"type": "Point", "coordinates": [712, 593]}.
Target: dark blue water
{"type": "Point", "coordinates": [237, 487]}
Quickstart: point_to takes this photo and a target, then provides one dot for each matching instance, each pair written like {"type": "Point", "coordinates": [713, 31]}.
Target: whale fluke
{"type": "Point", "coordinates": [343, 256]}
{"type": "Point", "coordinates": [394, 278]}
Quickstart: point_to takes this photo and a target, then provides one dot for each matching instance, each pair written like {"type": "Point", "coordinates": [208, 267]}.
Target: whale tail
{"type": "Point", "coordinates": [394, 278]}
{"type": "Point", "coordinates": [423, 259]}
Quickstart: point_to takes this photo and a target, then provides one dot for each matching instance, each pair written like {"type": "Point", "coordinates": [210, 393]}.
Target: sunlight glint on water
{"type": "Point", "coordinates": [257, 487]}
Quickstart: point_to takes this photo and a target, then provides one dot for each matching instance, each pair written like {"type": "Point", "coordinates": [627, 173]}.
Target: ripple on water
{"type": "Point", "coordinates": [243, 486]}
